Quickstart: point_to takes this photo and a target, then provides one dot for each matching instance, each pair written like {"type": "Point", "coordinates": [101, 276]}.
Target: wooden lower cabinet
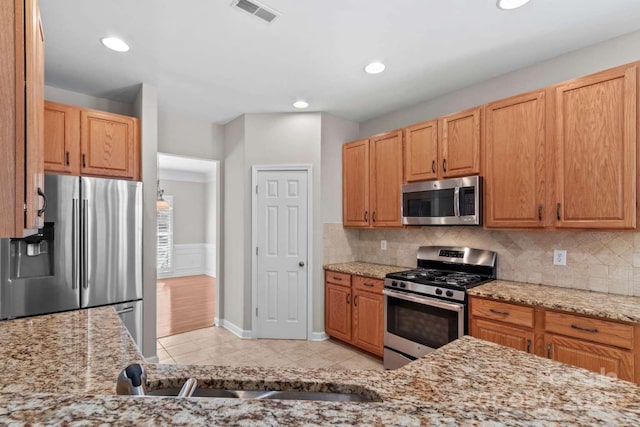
{"type": "Point", "coordinates": [337, 311]}
{"type": "Point", "coordinates": [600, 345]}
{"type": "Point", "coordinates": [368, 321]}
{"type": "Point", "coordinates": [509, 336]}
{"type": "Point", "coordinates": [354, 310]}
{"type": "Point", "coordinates": [606, 360]}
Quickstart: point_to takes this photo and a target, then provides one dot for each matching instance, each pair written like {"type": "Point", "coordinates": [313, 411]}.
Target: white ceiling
{"type": "Point", "coordinates": [213, 62]}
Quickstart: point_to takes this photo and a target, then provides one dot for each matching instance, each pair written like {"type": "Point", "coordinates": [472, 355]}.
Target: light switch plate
{"type": "Point", "coordinates": [559, 257]}
{"type": "Point", "coordinates": [383, 245]}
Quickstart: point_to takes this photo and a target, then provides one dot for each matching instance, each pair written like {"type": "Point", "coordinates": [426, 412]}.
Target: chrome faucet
{"type": "Point", "coordinates": [131, 381]}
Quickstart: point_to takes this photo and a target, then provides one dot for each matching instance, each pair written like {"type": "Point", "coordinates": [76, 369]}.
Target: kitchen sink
{"type": "Point", "coordinates": [264, 394]}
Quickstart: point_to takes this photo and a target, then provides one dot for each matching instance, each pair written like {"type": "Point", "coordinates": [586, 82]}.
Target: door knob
{"type": "Point", "coordinates": [301, 263]}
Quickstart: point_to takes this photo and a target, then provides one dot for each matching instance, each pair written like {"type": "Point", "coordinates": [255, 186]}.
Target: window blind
{"type": "Point", "coordinates": [165, 238]}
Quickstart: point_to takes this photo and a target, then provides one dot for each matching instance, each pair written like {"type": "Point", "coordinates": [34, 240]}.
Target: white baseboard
{"type": "Point", "coordinates": [216, 321]}
{"type": "Point", "coordinates": [318, 336]}
{"type": "Point", "coordinates": [151, 359]}
{"type": "Point", "coordinates": [236, 330]}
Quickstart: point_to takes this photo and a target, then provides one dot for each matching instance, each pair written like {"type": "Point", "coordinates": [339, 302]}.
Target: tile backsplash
{"type": "Point", "coordinates": [597, 261]}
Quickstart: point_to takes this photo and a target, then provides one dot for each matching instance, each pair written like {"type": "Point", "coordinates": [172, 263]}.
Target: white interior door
{"type": "Point", "coordinates": [282, 254]}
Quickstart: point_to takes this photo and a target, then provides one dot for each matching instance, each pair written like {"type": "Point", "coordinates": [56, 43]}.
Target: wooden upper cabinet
{"type": "Point", "coordinates": [21, 118]}
{"type": "Point", "coordinates": [61, 138]}
{"type": "Point", "coordinates": [515, 144]}
{"type": "Point", "coordinates": [109, 145]}
{"type": "Point", "coordinates": [460, 143]}
{"type": "Point", "coordinates": [596, 120]}
{"type": "Point", "coordinates": [386, 179]}
{"type": "Point", "coordinates": [355, 184]}
{"type": "Point", "coordinates": [421, 152]}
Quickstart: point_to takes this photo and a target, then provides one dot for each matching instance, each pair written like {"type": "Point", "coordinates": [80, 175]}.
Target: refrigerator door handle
{"type": "Point", "coordinates": [75, 245]}
{"type": "Point", "coordinates": [84, 226]}
{"type": "Point", "coordinates": [128, 309]}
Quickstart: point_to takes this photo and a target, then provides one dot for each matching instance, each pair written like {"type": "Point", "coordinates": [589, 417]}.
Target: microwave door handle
{"type": "Point", "coordinates": [456, 201]}
{"type": "Point", "coordinates": [423, 300]}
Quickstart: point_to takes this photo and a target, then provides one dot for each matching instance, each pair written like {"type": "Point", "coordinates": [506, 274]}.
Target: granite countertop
{"type": "Point", "coordinates": [61, 369]}
{"type": "Point", "coordinates": [366, 269]}
{"type": "Point", "coordinates": [608, 306]}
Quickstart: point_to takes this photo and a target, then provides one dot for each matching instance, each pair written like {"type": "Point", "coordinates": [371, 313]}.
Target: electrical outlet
{"type": "Point", "coordinates": [559, 257]}
{"type": "Point", "coordinates": [383, 245]}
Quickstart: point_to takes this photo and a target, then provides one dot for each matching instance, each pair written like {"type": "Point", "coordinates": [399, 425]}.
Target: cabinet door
{"type": "Point", "coordinates": [61, 138]}
{"type": "Point", "coordinates": [337, 311]}
{"type": "Point", "coordinates": [421, 151]}
{"type": "Point", "coordinates": [109, 144]}
{"type": "Point", "coordinates": [514, 152]}
{"type": "Point", "coordinates": [606, 360]}
{"type": "Point", "coordinates": [596, 150]}
{"type": "Point", "coordinates": [34, 152]}
{"type": "Point", "coordinates": [386, 180]}
{"type": "Point", "coordinates": [368, 321]}
{"type": "Point", "coordinates": [355, 184]}
{"type": "Point", "coordinates": [518, 338]}
{"type": "Point", "coordinates": [460, 143]}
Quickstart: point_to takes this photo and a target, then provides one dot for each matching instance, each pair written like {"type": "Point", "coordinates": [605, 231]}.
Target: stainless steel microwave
{"type": "Point", "coordinates": [456, 201]}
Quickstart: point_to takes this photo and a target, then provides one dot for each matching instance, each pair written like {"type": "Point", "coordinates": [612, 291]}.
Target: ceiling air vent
{"type": "Point", "coordinates": [256, 9]}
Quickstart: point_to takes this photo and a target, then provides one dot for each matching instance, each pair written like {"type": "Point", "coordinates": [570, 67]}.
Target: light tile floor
{"type": "Point", "coordinates": [218, 346]}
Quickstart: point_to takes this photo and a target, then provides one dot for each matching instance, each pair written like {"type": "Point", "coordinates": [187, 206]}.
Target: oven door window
{"type": "Point", "coordinates": [421, 323]}
{"type": "Point", "coordinates": [428, 204]}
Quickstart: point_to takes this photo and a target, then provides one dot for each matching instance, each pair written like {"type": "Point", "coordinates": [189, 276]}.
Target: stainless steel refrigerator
{"type": "Point", "coordinates": [88, 254]}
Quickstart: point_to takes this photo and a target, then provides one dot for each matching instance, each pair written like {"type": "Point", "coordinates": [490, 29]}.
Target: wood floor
{"type": "Point", "coordinates": [185, 304]}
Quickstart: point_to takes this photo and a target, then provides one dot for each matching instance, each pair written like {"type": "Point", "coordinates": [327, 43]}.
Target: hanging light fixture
{"type": "Point", "coordinates": [161, 203]}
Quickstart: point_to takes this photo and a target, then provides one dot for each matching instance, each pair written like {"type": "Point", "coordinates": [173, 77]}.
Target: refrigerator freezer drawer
{"type": "Point", "coordinates": [131, 315]}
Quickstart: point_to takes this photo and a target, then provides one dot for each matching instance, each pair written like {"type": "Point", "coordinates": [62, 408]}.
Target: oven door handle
{"type": "Point", "coordinates": [423, 300]}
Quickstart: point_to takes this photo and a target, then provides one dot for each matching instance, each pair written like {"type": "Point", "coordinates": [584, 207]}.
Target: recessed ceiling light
{"type": "Point", "coordinates": [511, 4]}
{"type": "Point", "coordinates": [301, 104]}
{"type": "Point", "coordinates": [374, 68]}
{"type": "Point", "coordinates": [115, 43]}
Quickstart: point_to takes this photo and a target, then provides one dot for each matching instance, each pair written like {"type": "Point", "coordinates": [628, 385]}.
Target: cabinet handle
{"type": "Point", "coordinates": [528, 346]}
{"type": "Point", "coordinates": [433, 166]}
{"type": "Point", "coordinates": [84, 161]}
{"type": "Point", "coordinates": [583, 329]}
{"type": "Point", "coordinates": [549, 351]}
{"type": "Point", "coordinates": [504, 313]}
{"type": "Point", "coordinates": [366, 216]}
{"type": "Point", "coordinates": [373, 216]}
{"type": "Point", "coordinates": [348, 299]}
{"type": "Point", "coordinates": [444, 165]}
{"type": "Point", "coordinates": [369, 285]}
{"type": "Point", "coordinates": [337, 278]}
{"type": "Point", "coordinates": [558, 211]}
{"type": "Point", "coordinates": [540, 212]}
{"type": "Point", "coordinates": [44, 202]}
{"type": "Point", "coordinates": [355, 300]}
{"type": "Point", "coordinates": [67, 157]}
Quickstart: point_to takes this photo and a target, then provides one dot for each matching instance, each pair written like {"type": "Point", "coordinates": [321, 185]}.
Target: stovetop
{"type": "Point", "coordinates": [445, 279]}
{"type": "Point", "coordinates": [445, 272]}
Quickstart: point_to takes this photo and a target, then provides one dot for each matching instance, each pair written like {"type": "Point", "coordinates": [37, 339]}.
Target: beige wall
{"type": "Point", "coordinates": [189, 210]}
{"type": "Point", "coordinates": [188, 137]}
{"type": "Point", "coordinates": [87, 101]}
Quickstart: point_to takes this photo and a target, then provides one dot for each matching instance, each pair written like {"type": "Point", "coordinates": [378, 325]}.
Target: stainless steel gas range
{"type": "Point", "coordinates": [426, 308]}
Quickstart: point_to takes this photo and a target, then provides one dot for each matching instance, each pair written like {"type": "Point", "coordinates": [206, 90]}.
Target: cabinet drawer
{"type": "Point", "coordinates": [602, 331]}
{"type": "Point", "coordinates": [504, 312]}
{"type": "Point", "coordinates": [337, 278]}
{"type": "Point", "coordinates": [368, 284]}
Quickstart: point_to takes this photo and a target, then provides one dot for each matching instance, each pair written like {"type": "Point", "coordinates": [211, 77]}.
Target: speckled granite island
{"type": "Point", "coordinates": [61, 369]}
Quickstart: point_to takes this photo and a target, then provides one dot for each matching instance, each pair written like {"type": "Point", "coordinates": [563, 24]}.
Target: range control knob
{"type": "Point", "coordinates": [403, 285]}
{"type": "Point", "coordinates": [438, 291]}
{"type": "Point", "coordinates": [394, 283]}
{"type": "Point", "coordinates": [449, 293]}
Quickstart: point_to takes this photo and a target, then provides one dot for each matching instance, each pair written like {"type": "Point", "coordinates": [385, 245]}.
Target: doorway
{"type": "Point", "coordinates": [187, 214]}
{"type": "Point", "coordinates": [281, 266]}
